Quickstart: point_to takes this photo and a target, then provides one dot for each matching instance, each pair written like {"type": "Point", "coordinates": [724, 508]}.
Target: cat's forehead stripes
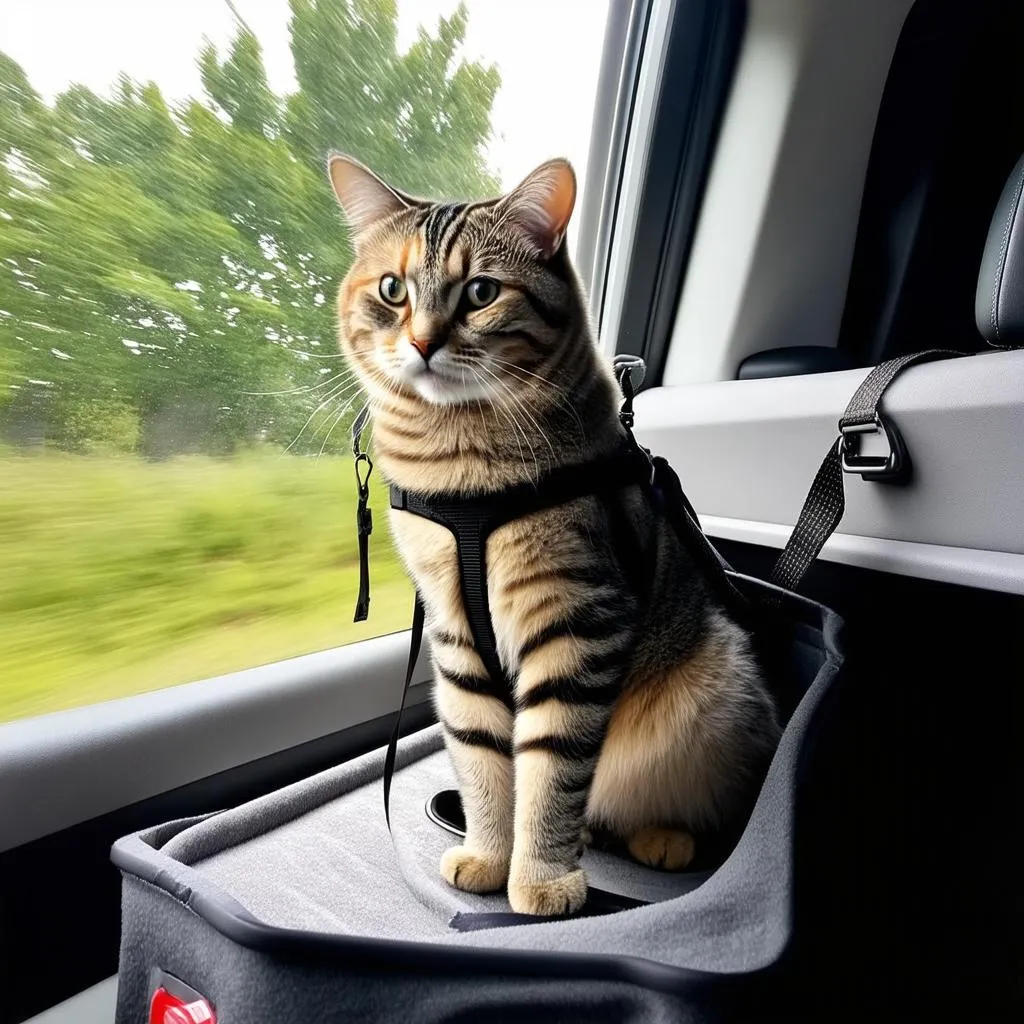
{"type": "Point", "coordinates": [437, 224]}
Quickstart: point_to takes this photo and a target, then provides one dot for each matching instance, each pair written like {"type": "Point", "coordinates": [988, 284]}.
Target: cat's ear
{"type": "Point", "coordinates": [541, 205]}
{"type": "Point", "coordinates": [364, 198]}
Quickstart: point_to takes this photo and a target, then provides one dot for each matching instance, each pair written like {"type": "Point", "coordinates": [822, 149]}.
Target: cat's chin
{"type": "Point", "coordinates": [438, 389]}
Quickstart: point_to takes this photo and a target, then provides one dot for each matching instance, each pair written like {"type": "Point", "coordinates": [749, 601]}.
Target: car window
{"type": "Point", "coordinates": [177, 498]}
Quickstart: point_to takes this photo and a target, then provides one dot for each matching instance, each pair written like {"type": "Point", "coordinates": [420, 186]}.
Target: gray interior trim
{"type": "Point", "coordinates": [612, 106]}
{"type": "Point", "coordinates": [95, 1005]}
{"type": "Point", "coordinates": [771, 257]}
{"type": "Point", "coordinates": [748, 450]}
{"type": "Point", "coordinates": [968, 567]}
{"type": "Point", "coordinates": [648, 88]}
{"type": "Point", "coordinates": [61, 769]}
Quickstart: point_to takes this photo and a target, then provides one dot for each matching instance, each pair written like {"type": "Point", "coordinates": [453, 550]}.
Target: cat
{"type": "Point", "coordinates": [640, 709]}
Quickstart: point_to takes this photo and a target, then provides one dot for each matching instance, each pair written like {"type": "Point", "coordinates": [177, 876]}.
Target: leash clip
{"type": "Point", "coordinates": [364, 521]}
{"type": "Point", "coordinates": [363, 462]}
{"type": "Point", "coordinates": [624, 366]}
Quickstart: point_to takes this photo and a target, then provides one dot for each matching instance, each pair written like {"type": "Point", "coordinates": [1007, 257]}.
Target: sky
{"type": "Point", "coordinates": [548, 52]}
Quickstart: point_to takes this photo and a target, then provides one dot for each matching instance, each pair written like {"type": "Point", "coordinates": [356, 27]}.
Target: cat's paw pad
{"type": "Point", "coordinates": [670, 849]}
{"type": "Point", "coordinates": [562, 895]}
{"type": "Point", "coordinates": [473, 871]}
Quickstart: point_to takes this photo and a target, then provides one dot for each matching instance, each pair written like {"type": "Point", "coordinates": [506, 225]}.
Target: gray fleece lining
{"type": "Point", "coordinates": [317, 856]}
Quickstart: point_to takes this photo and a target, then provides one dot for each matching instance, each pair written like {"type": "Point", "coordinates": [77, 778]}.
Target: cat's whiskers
{"type": "Point", "coordinates": [521, 405]}
{"type": "Point", "coordinates": [523, 369]}
{"type": "Point", "coordinates": [513, 371]}
{"type": "Point", "coordinates": [303, 389]}
{"type": "Point", "coordinates": [335, 395]}
{"type": "Point", "coordinates": [517, 430]}
{"type": "Point", "coordinates": [337, 419]}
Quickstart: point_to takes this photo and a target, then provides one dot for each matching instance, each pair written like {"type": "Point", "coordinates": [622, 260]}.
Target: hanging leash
{"type": "Point", "coordinates": [364, 514]}
{"type": "Point", "coordinates": [673, 503]}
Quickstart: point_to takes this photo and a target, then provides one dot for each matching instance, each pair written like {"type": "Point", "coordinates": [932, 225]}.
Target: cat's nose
{"type": "Point", "coordinates": [426, 346]}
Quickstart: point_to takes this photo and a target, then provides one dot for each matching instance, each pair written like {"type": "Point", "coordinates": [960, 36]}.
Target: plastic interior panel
{"type": "Point", "coordinates": [124, 751]}
{"type": "Point", "coordinates": [771, 256]}
{"type": "Point", "coordinates": [748, 450]}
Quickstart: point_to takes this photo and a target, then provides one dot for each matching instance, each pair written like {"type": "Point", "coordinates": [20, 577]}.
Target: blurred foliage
{"type": "Point", "coordinates": [167, 274]}
{"type": "Point", "coordinates": [119, 575]}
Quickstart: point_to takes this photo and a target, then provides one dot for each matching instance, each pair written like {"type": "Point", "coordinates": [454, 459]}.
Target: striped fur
{"type": "Point", "coordinates": [639, 707]}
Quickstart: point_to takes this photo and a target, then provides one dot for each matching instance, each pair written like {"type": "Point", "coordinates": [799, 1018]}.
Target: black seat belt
{"type": "Point", "coordinates": [826, 500]}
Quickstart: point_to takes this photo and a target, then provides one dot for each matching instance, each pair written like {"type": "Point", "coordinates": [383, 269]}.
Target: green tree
{"type": "Point", "coordinates": [159, 264]}
{"type": "Point", "coordinates": [421, 119]}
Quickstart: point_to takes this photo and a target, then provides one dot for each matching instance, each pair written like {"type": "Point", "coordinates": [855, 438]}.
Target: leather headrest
{"type": "Point", "coordinates": [999, 302]}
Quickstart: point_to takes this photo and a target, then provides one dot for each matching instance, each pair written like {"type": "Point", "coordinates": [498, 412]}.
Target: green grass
{"type": "Point", "coordinates": [119, 576]}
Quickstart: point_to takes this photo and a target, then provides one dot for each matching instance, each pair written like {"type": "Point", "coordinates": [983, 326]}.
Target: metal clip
{"type": "Point", "coordinates": [624, 366]}
{"type": "Point", "coordinates": [891, 467]}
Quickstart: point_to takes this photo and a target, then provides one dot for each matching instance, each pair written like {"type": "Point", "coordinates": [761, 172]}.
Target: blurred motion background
{"type": "Point", "coordinates": [176, 489]}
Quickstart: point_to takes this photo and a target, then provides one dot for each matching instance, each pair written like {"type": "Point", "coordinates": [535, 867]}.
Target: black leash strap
{"type": "Point", "coordinates": [710, 564]}
{"type": "Point", "coordinates": [826, 500]}
{"type": "Point", "coordinates": [675, 504]}
{"type": "Point", "coordinates": [364, 514]}
{"type": "Point", "coordinates": [415, 642]}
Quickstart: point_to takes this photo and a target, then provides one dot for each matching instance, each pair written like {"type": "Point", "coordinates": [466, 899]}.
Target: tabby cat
{"type": "Point", "coordinates": [639, 707]}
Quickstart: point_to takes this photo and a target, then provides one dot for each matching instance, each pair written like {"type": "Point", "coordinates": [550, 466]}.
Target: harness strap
{"type": "Point", "coordinates": [471, 519]}
{"type": "Point", "coordinates": [415, 642]}
{"type": "Point", "coordinates": [710, 564]}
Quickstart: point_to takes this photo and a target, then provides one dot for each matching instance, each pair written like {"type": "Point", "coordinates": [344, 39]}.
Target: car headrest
{"type": "Point", "coordinates": [999, 301]}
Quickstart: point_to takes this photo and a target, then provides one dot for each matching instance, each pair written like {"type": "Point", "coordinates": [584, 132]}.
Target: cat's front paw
{"type": "Point", "coordinates": [564, 894]}
{"type": "Point", "coordinates": [473, 871]}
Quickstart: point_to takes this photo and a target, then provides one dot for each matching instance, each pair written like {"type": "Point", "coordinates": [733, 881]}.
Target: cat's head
{"type": "Point", "coordinates": [457, 303]}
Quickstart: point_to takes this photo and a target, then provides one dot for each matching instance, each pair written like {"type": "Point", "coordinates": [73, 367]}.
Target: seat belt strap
{"type": "Point", "coordinates": [826, 501]}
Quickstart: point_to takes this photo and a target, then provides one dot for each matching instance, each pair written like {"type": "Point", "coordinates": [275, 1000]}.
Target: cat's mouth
{"type": "Point", "coordinates": [444, 385]}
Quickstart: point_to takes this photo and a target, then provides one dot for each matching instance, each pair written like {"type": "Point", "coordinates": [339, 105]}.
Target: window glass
{"type": "Point", "coordinates": [177, 497]}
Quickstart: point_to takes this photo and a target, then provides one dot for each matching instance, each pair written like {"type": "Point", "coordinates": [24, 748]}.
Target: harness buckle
{"type": "Point", "coordinates": [890, 467]}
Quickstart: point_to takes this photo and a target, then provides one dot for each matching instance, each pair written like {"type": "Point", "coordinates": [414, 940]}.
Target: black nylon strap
{"type": "Point", "coordinates": [364, 527]}
{"type": "Point", "coordinates": [863, 406]}
{"type": "Point", "coordinates": [364, 514]}
{"type": "Point", "coordinates": [415, 642]}
{"type": "Point", "coordinates": [826, 501]}
{"type": "Point", "coordinates": [683, 519]}
{"type": "Point", "coordinates": [472, 518]}
{"type": "Point", "coordinates": [469, 523]}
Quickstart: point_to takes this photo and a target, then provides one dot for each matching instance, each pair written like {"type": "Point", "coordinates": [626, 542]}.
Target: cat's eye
{"type": "Point", "coordinates": [393, 290]}
{"type": "Point", "coordinates": [482, 291]}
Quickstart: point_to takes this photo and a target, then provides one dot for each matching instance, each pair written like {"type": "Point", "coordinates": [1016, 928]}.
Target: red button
{"type": "Point", "coordinates": [168, 1009]}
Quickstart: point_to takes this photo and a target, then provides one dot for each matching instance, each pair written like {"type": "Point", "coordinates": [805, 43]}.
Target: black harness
{"type": "Point", "coordinates": [472, 518]}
